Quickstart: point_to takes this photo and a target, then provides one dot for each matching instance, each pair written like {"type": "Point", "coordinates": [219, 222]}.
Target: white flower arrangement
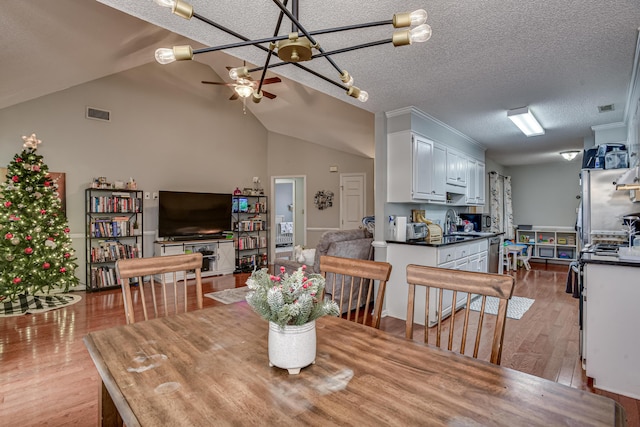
{"type": "Point", "coordinates": [289, 299]}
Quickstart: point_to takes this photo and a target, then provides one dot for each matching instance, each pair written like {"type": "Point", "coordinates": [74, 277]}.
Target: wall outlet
{"type": "Point", "coordinates": [155, 195]}
{"type": "Point", "coordinates": [147, 195]}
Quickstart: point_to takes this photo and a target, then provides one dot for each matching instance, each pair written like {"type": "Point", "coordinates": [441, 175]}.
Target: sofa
{"type": "Point", "coordinates": [340, 243]}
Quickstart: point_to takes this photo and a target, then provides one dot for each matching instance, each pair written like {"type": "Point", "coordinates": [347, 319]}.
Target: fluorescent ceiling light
{"type": "Point", "coordinates": [569, 155]}
{"type": "Point", "coordinates": [528, 124]}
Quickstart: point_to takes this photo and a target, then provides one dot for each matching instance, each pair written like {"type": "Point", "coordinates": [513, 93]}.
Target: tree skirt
{"type": "Point", "coordinates": [36, 304]}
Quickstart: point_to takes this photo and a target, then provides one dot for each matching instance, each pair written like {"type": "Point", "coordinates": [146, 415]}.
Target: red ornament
{"type": "Point", "coordinates": [8, 236]}
{"type": "Point", "coordinates": [42, 211]}
{"type": "Point", "coordinates": [67, 255]}
{"type": "Point", "coordinates": [17, 280]}
{"type": "Point", "coordinates": [28, 251]}
{"type": "Point", "coordinates": [46, 265]}
{"type": "Point", "coordinates": [15, 178]}
{"type": "Point", "coordinates": [63, 270]}
{"type": "Point", "coordinates": [67, 229]}
{"type": "Point", "coordinates": [36, 168]}
{"type": "Point", "coordinates": [47, 183]}
{"type": "Point", "coordinates": [50, 238]}
{"type": "Point", "coordinates": [18, 160]}
{"type": "Point", "coordinates": [28, 238]}
{"type": "Point", "coordinates": [7, 204]}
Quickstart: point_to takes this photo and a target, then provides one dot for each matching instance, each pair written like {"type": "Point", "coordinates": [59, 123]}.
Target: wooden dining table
{"type": "Point", "coordinates": [210, 367]}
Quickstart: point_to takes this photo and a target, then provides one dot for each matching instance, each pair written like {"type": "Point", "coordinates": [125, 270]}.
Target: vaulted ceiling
{"type": "Point", "coordinates": [563, 59]}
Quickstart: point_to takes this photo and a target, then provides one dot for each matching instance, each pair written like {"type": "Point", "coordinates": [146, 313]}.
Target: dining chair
{"type": "Point", "coordinates": [438, 281]}
{"type": "Point", "coordinates": [168, 272]}
{"type": "Point", "coordinates": [353, 281]}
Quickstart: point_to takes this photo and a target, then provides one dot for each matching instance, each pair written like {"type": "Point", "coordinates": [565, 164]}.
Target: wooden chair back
{"type": "Point", "coordinates": [436, 280]}
{"type": "Point", "coordinates": [168, 272]}
{"type": "Point", "coordinates": [353, 280]}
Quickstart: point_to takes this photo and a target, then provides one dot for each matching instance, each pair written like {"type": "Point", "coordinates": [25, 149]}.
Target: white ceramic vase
{"type": "Point", "coordinates": [292, 347]}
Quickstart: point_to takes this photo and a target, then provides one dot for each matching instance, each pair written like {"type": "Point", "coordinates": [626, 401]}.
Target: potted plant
{"type": "Point", "coordinates": [291, 304]}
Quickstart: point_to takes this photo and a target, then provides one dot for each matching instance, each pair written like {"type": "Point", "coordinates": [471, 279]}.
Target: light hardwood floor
{"type": "Point", "coordinates": [48, 378]}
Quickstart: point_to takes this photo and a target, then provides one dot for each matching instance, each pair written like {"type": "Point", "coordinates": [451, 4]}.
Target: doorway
{"type": "Point", "coordinates": [289, 219]}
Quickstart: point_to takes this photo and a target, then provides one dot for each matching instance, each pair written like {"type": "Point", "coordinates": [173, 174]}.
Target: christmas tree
{"type": "Point", "coordinates": [36, 256]}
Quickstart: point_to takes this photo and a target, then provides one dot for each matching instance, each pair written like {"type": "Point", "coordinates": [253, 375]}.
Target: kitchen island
{"type": "Point", "coordinates": [610, 316]}
{"type": "Point", "coordinates": [459, 251]}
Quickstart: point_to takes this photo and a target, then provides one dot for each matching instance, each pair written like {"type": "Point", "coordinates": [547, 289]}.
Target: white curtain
{"type": "Point", "coordinates": [500, 204]}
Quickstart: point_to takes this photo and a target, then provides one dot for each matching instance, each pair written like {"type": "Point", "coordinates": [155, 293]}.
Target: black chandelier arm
{"type": "Point", "coordinates": [259, 46]}
{"type": "Point", "coordinates": [306, 33]}
{"type": "Point", "coordinates": [275, 33]}
{"type": "Point", "coordinates": [308, 70]}
{"type": "Point", "coordinates": [352, 48]}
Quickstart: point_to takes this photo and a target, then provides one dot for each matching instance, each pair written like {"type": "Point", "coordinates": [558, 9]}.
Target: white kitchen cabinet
{"type": "Point", "coordinates": [481, 183]}
{"type": "Point", "coordinates": [472, 180]}
{"type": "Point", "coordinates": [456, 168]}
{"type": "Point", "coordinates": [470, 256]}
{"type": "Point", "coordinates": [412, 161]}
{"type": "Point", "coordinates": [610, 320]}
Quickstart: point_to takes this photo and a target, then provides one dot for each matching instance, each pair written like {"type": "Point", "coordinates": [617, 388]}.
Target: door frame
{"type": "Point", "coordinates": [300, 192]}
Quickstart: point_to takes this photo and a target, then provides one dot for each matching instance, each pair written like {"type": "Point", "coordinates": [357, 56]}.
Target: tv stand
{"type": "Point", "coordinates": [218, 255]}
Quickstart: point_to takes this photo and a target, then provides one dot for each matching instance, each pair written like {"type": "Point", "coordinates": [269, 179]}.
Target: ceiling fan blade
{"type": "Point", "coordinates": [268, 95]}
{"type": "Point", "coordinates": [271, 80]}
{"type": "Point", "coordinates": [219, 83]}
{"type": "Point", "coordinates": [234, 96]}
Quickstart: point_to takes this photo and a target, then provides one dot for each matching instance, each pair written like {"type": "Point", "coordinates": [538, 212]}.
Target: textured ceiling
{"type": "Point", "coordinates": [561, 58]}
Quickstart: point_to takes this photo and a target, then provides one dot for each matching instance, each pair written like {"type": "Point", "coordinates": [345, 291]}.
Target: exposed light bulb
{"type": "Point", "coordinates": [166, 3]}
{"type": "Point", "coordinates": [349, 82]}
{"type": "Point", "coordinates": [233, 73]}
{"type": "Point", "coordinates": [363, 96]}
{"type": "Point", "coordinates": [418, 17]}
{"type": "Point", "coordinates": [420, 34]}
{"type": "Point", "coordinates": [165, 55]}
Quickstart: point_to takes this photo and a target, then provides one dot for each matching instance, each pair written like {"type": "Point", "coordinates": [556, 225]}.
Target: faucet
{"type": "Point", "coordinates": [451, 218]}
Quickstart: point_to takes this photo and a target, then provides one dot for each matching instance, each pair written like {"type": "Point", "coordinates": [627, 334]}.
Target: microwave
{"type": "Point", "coordinates": [416, 230]}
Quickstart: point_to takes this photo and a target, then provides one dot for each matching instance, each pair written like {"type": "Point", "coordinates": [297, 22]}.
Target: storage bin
{"type": "Point", "coordinates": [545, 252]}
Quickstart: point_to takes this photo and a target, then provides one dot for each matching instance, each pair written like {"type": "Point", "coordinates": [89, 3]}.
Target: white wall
{"type": "Point", "coordinates": [168, 132]}
{"type": "Point", "coordinates": [545, 195]}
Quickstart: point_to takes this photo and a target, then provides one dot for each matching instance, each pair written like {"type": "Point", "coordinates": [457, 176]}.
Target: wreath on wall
{"type": "Point", "coordinates": [323, 199]}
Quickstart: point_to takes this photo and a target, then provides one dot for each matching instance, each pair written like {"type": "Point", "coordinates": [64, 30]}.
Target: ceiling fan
{"type": "Point", "coordinates": [244, 86]}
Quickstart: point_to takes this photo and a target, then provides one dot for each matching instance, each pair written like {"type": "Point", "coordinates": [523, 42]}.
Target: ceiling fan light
{"type": "Point", "coordinates": [256, 97]}
{"type": "Point", "coordinates": [418, 17]}
{"type": "Point", "coordinates": [244, 91]}
{"type": "Point", "coordinates": [165, 56]}
{"type": "Point", "coordinates": [420, 34]}
{"type": "Point", "coordinates": [360, 95]}
{"type": "Point", "coordinates": [526, 122]}
{"type": "Point", "coordinates": [346, 78]}
{"type": "Point", "coordinates": [569, 155]}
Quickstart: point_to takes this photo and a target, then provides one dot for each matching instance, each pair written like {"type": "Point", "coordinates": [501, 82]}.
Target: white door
{"type": "Point", "coordinates": [352, 200]}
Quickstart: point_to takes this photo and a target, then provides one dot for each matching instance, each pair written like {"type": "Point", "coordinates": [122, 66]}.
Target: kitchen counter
{"type": "Point", "coordinates": [449, 239]}
{"type": "Point", "coordinates": [612, 260]}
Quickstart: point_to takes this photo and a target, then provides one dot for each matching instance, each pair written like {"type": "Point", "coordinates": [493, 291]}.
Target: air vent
{"type": "Point", "coordinates": [605, 108]}
{"type": "Point", "coordinates": [96, 114]}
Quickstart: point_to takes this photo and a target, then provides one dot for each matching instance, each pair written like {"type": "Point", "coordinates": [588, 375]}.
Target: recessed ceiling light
{"type": "Point", "coordinates": [605, 108]}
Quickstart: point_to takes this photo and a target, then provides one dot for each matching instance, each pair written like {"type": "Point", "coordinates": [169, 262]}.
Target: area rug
{"type": "Point", "coordinates": [229, 296]}
{"type": "Point", "coordinates": [517, 307]}
{"type": "Point", "coordinates": [36, 304]}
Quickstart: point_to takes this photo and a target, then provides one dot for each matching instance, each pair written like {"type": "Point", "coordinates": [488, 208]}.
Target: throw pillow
{"type": "Point", "coordinates": [297, 251]}
{"type": "Point", "coordinates": [308, 256]}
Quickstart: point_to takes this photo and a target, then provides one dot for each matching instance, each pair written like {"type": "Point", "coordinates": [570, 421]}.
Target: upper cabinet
{"type": "Point", "coordinates": [414, 166]}
{"type": "Point", "coordinates": [456, 168]}
{"type": "Point", "coordinates": [475, 182]}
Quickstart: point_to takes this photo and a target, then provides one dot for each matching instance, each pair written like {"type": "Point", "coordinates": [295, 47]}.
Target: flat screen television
{"type": "Point", "coordinates": [184, 215]}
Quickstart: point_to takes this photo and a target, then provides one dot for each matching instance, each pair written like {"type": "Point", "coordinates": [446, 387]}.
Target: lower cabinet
{"type": "Point", "coordinates": [471, 256]}
{"type": "Point", "coordinates": [218, 256]}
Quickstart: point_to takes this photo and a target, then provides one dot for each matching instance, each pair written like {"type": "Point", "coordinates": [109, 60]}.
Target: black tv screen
{"type": "Point", "coordinates": [193, 215]}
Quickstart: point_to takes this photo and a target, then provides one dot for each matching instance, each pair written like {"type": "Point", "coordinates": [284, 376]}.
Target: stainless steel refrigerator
{"type": "Point", "coordinates": [603, 206]}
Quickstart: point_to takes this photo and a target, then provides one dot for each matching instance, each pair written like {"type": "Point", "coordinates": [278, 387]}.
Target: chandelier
{"type": "Point", "coordinates": [298, 46]}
